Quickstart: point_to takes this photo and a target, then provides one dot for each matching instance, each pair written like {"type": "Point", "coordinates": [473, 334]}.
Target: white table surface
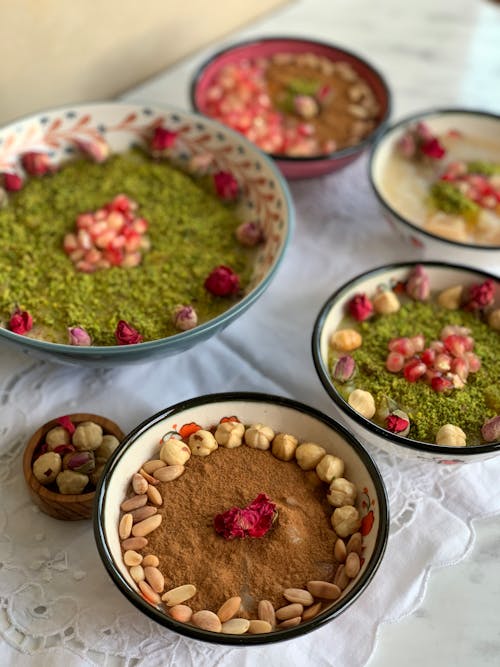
{"type": "Point", "coordinates": [433, 54]}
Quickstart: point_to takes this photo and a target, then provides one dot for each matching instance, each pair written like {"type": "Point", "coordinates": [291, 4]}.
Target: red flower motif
{"type": "Point", "coordinates": [188, 429]}
{"type": "Point", "coordinates": [125, 334]}
{"type": "Point", "coordinates": [226, 186]}
{"type": "Point", "coordinates": [36, 163]}
{"type": "Point", "coordinates": [162, 139]}
{"type": "Point", "coordinates": [20, 321]}
{"type": "Point", "coordinates": [367, 523]}
{"type": "Point", "coordinates": [360, 307]}
{"type": "Point", "coordinates": [254, 520]}
{"type": "Point", "coordinates": [481, 295]}
{"type": "Point", "coordinates": [12, 182]}
{"type": "Point", "coordinates": [222, 281]}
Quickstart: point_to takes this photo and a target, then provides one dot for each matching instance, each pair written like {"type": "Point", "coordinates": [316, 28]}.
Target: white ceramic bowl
{"type": "Point", "coordinates": [281, 414]}
{"type": "Point", "coordinates": [473, 123]}
{"type": "Point", "coordinates": [265, 197]}
{"type": "Point", "coordinates": [330, 316]}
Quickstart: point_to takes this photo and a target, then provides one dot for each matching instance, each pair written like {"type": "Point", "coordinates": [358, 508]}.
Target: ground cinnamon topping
{"type": "Point", "coordinates": [298, 548]}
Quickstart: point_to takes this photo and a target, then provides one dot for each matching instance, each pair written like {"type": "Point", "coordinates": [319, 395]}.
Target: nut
{"type": "Point", "coordinates": [355, 543]}
{"type": "Point", "coordinates": [146, 526]}
{"type": "Point", "coordinates": [346, 520]}
{"type": "Point", "coordinates": [180, 594]}
{"type": "Point", "coordinates": [451, 436]}
{"type": "Point", "coordinates": [154, 578]}
{"type": "Point", "coordinates": [142, 513]}
{"type": "Point", "coordinates": [181, 613]}
{"type": "Point", "coordinates": [284, 446]}
{"type": "Point", "coordinates": [235, 626]}
{"type": "Point", "coordinates": [132, 558]}
{"type": "Point", "coordinates": [139, 484]}
{"type": "Point", "coordinates": [96, 473]}
{"type": "Point", "coordinates": [329, 468]}
{"type": "Point", "coordinates": [137, 573]}
{"type": "Point", "coordinates": [125, 526]}
{"type": "Point", "coordinates": [352, 565]}
{"type": "Point", "coordinates": [265, 612]}
{"type": "Point", "coordinates": [298, 595]}
{"type": "Point", "coordinates": [386, 302]}
{"type": "Point", "coordinates": [289, 611]}
{"type": "Point", "coordinates": [312, 611]}
{"type": "Point", "coordinates": [134, 543]}
{"type": "Point", "coordinates": [229, 609]}
{"type": "Point", "coordinates": [57, 436]}
{"type": "Point", "coordinates": [206, 620]}
{"type": "Point", "coordinates": [344, 368]}
{"type": "Point", "coordinates": [230, 434]}
{"type": "Point", "coordinates": [340, 550]}
{"type": "Point", "coordinates": [451, 297]}
{"type": "Point", "coordinates": [346, 340]}
{"type": "Point", "coordinates": [258, 627]}
{"type": "Point", "coordinates": [174, 452]}
{"type": "Point", "coordinates": [202, 443]}
{"type": "Point", "coordinates": [168, 473]}
{"type": "Point", "coordinates": [71, 483]}
{"type": "Point", "coordinates": [494, 319]}
{"type": "Point", "coordinates": [149, 594]}
{"type": "Point", "coordinates": [309, 454]}
{"type": "Point", "coordinates": [290, 622]}
{"type": "Point", "coordinates": [259, 436]}
{"type": "Point", "coordinates": [150, 560]}
{"type": "Point", "coordinates": [47, 467]}
{"type": "Point", "coordinates": [108, 445]}
{"type": "Point", "coordinates": [341, 492]}
{"type": "Point", "coordinates": [87, 436]}
{"type": "Point", "coordinates": [154, 496]}
{"type": "Point", "coordinates": [363, 402]}
{"type": "Point", "coordinates": [341, 579]}
{"type": "Point", "coordinates": [490, 430]}
{"type": "Point", "coordinates": [133, 503]}
{"type": "Point", "coordinates": [83, 462]}
{"type": "Point", "coordinates": [324, 590]}
{"type": "Point", "coordinates": [152, 465]}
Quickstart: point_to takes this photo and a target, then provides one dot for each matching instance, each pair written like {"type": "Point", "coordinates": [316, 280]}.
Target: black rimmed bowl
{"type": "Point", "coordinates": [402, 185]}
{"type": "Point", "coordinates": [265, 198]}
{"type": "Point", "coordinates": [283, 415]}
{"type": "Point", "coordinates": [333, 315]}
{"type": "Point", "coordinates": [295, 167]}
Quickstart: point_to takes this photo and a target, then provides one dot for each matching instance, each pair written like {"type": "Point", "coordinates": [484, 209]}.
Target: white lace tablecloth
{"type": "Point", "coordinates": [57, 604]}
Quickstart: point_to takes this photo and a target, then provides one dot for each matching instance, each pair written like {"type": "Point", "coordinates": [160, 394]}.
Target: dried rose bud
{"type": "Point", "coordinates": [12, 182]}
{"type": "Point", "coordinates": [226, 186]}
{"type": "Point", "coordinates": [20, 321]}
{"type": "Point", "coordinates": [249, 233]}
{"type": "Point", "coordinates": [254, 520]}
{"type": "Point", "coordinates": [398, 422]}
{"type": "Point", "coordinates": [125, 334]}
{"type": "Point", "coordinates": [78, 336]}
{"type": "Point", "coordinates": [185, 317]}
{"type": "Point", "coordinates": [83, 462]}
{"type": "Point", "coordinates": [222, 281]}
{"type": "Point", "coordinates": [162, 139]}
{"type": "Point", "coordinates": [360, 307]}
{"type": "Point", "coordinates": [418, 284]}
{"type": "Point", "coordinates": [490, 430]}
{"type": "Point", "coordinates": [97, 149]}
{"type": "Point", "coordinates": [36, 163]}
{"type": "Point", "coordinates": [305, 106]}
{"type": "Point", "coordinates": [480, 295]}
{"type": "Point", "coordinates": [344, 368]}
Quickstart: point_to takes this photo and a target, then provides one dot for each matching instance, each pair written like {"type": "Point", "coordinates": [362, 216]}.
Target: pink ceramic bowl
{"type": "Point", "coordinates": [298, 167]}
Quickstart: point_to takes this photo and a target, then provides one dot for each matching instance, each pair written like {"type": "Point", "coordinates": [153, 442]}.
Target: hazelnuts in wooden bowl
{"type": "Point", "coordinates": [63, 461]}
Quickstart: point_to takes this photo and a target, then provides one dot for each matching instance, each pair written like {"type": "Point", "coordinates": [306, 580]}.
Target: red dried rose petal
{"type": "Point", "coordinates": [432, 148]}
{"type": "Point", "coordinates": [66, 423]}
{"type": "Point", "coordinates": [226, 186]}
{"type": "Point", "coordinates": [222, 281]}
{"type": "Point", "coordinates": [20, 321]}
{"type": "Point", "coordinates": [360, 307]}
{"type": "Point", "coordinates": [254, 520]}
{"type": "Point", "coordinates": [125, 334]}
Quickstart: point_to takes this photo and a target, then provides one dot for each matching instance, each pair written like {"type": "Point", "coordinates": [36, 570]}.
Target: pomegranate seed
{"type": "Point", "coordinates": [418, 342]}
{"type": "Point", "coordinates": [402, 345]}
{"type": "Point", "coordinates": [460, 367]}
{"type": "Point", "coordinates": [437, 346]}
{"type": "Point", "coordinates": [441, 384]}
{"type": "Point", "coordinates": [453, 329]}
{"type": "Point", "coordinates": [394, 362]}
{"type": "Point", "coordinates": [414, 369]}
{"type": "Point", "coordinates": [455, 345]}
{"type": "Point", "coordinates": [428, 356]}
{"type": "Point", "coordinates": [474, 362]}
{"type": "Point", "coordinates": [442, 362]}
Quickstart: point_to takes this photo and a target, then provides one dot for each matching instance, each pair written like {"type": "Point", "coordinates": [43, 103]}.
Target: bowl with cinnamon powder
{"type": "Point", "coordinates": [241, 518]}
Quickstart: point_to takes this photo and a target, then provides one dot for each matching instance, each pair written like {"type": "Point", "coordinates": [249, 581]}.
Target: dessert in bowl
{"type": "Point", "coordinates": [409, 354]}
{"type": "Point", "coordinates": [132, 232]}
{"type": "Point", "coordinates": [437, 177]}
{"type": "Point", "coordinates": [241, 518]}
{"type": "Point", "coordinates": [312, 106]}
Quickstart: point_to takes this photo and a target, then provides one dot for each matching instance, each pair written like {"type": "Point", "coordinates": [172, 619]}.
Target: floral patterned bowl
{"type": "Point", "coordinates": [298, 167]}
{"type": "Point", "coordinates": [282, 415]}
{"type": "Point", "coordinates": [265, 197]}
{"type": "Point", "coordinates": [332, 316]}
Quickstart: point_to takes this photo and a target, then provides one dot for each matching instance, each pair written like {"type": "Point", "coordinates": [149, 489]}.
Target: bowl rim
{"type": "Point", "coordinates": [384, 134]}
{"type": "Point", "coordinates": [217, 637]}
{"type": "Point", "coordinates": [201, 331]}
{"type": "Point", "coordinates": [281, 157]}
{"type": "Point", "coordinates": [371, 427]}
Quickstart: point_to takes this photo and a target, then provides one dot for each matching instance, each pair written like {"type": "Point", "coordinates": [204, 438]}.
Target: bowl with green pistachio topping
{"type": "Point", "coordinates": [130, 232]}
{"type": "Point", "coordinates": [436, 175]}
{"type": "Point", "coordinates": [409, 353]}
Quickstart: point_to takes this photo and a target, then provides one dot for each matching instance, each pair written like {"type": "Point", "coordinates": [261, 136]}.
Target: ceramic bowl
{"type": "Point", "coordinates": [334, 311]}
{"type": "Point", "coordinates": [298, 167]}
{"type": "Point", "coordinates": [67, 507]}
{"type": "Point", "coordinates": [401, 212]}
{"type": "Point", "coordinates": [281, 414]}
{"type": "Point", "coordinates": [265, 196]}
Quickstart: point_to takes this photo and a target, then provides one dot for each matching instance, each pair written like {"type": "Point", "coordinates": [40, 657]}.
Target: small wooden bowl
{"type": "Point", "coordinates": [59, 505]}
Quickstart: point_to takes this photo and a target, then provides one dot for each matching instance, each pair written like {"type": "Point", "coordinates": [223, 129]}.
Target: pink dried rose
{"type": "Point", "coordinates": [360, 307]}
{"type": "Point", "coordinates": [78, 336]}
{"type": "Point", "coordinates": [162, 139]}
{"type": "Point", "coordinates": [66, 423]}
{"type": "Point", "coordinates": [254, 520]}
{"type": "Point", "coordinates": [222, 281]}
{"type": "Point", "coordinates": [12, 182]}
{"type": "Point", "coordinates": [432, 148]}
{"type": "Point", "coordinates": [185, 317]}
{"type": "Point", "coordinates": [418, 141]}
{"type": "Point", "coordinates": [125, 334]}
{"type": "Point", "coordinates": [20, 321]}
{"type": "Point", "coordinates": [97, 149]}
{"type": "Point", "coordinates": [36, 163]}
{"type": "Point", "coordinates": [480, 295]}
{"type": "Point", "coordinates": [226, 186]}
{"type": "Point", "coordinates": [398, 422]}
{"type": "Point", "coordinates": [418, 284]}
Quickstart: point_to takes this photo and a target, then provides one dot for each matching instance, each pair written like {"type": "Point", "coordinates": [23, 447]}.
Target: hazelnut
{"type": "Point", "coordinates": [87, 436]}
{"type": "Point", "coordinates": [70, 482]}
{"type": "Point", "coordinates": [494, 319]}
{"type": "Point", "coordinates": [96, 473]}
{"type": "Point", "coordinates": [346, 520]}
{"type": "Point", "coordinates": [363, 402]}
{"type": "Point", "coordinates": [47, 467]}
{"type": "Point", "coordinates": [451, 297]}
{"type": "Point", "coordinates": [346, 340]}
{"type": "Point", "coordinates": [451, 436]}
{"type": "Point", "coordinates": [341, 492]}
{"type": "Point", "coordinates": [259, 436]}
{"type": "Point", "coordinates": [175, 452]}
{"type": "Point", "coordinates": [284, 446]}
{"type": "Point", "coordinates": [108, 445]}
{"type": "Point", "coordinates": [329, 468]}
{"type": "Point", "coordinates": [309, 454]}
{"type": "Point", "coordinates": [202, 443]}
{"type": "Point", "coordinates": [386, 302]}
{"type": "Point", "coordinates": [57, 436]}
{"type": "Point", "coordinates": [230, 434]}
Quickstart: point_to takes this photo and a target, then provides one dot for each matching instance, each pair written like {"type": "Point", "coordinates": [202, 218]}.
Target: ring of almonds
{"type": "Point", "coordinates": [139, 518]}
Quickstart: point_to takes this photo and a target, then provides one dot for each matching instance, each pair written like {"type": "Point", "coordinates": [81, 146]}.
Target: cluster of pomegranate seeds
{"type": "Point", "coordinates": [419, 141]}
{"type": "Point", "coordinates": [238, 98]}
{"type": "Point", "coordinates": [479, 188]}
{"type": "Point", "coordinates": [444, 364]}
{"type": "Point", "coordinates": [111, 236]}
